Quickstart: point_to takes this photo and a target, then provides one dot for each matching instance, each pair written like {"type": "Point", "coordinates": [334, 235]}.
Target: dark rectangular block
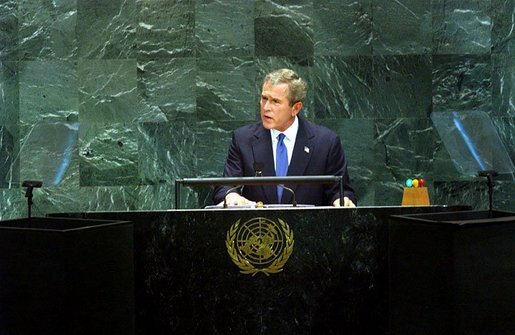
{"type": "Point", "coordinates": [452, 273]}
{"type": "Point", "coordinates": [66, 276]}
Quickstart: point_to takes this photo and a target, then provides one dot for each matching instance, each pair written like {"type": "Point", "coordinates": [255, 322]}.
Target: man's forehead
{"type": "Point", "coordinates": [277, 90]}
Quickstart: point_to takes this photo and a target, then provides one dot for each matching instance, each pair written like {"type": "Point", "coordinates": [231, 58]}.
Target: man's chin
{"type": "Point", "coordinates": [267, 124]}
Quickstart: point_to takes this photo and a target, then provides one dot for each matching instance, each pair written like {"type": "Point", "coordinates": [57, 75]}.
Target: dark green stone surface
{"type": "Point", "coordinates": [146, 91]}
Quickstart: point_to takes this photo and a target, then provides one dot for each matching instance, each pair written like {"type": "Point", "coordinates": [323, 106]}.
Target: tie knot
{"type": "Point", "coordinates": [280, 137]}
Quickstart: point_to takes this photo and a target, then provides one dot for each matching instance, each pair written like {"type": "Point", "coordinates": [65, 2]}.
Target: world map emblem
{"type": "Point", "coordinates": [260, 245]}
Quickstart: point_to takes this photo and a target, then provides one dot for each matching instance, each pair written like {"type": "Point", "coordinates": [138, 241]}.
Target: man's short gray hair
{"type": "Point", "coordinates": [297, 87]}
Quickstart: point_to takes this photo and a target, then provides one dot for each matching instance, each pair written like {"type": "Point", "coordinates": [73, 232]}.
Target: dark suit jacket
{"type": "Point", "coordinates": [317, 151]}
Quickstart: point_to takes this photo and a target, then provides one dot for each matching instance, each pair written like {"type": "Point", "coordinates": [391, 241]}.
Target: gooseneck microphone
{"type": "Point", "coordinates": [258, 172]}
{"type": "Point", "coordinates": [489, 174]}
{"type": "Point", "coordinates": [293, 201]}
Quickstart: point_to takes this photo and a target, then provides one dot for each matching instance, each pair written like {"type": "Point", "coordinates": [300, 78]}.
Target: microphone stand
{"type": "Point", "coordinates": [30, 185]}
{"type": "Point", "coordinates": [489, 174]}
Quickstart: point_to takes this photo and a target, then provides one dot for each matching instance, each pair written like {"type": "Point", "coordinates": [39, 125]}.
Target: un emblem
{"type": "Point", "coordinates": [260, 245]}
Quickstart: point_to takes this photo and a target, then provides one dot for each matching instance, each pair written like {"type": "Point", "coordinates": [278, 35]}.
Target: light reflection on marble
{"type": "Point", "coordinates": [49, 153]}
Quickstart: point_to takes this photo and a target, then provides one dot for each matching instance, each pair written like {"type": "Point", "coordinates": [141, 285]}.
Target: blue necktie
{"type": "Point", "coordinates": [281, 162]}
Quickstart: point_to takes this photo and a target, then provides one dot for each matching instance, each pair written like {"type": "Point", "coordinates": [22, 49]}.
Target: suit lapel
{"type": "Point", "coordinates": [262, 150]}
{"type": "Point", "coordinates": [302, 152]}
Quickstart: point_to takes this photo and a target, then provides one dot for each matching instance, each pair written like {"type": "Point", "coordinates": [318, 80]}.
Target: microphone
{"type": "Point", "coordinates": [232, 189]}
{"type": "Point", "coordinates": [258, 169]}
{"type": "Point", "coordinates": [293, 202]}
{"type": "Point", "coordinates": [489, 174]}
{"type": "Point", "coordinates": [30, 185]}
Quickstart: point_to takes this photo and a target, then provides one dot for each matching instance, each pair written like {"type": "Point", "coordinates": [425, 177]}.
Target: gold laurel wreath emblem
{"type": "Point", "coordinates": [246, 266]}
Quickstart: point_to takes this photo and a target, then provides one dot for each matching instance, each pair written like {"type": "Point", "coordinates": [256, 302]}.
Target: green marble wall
{"type": "Point", "coordinates": [108, 102]}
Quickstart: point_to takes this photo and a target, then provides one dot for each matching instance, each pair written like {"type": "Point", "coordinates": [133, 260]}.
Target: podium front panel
{"type": "Point", "coordinates": [331, 279]}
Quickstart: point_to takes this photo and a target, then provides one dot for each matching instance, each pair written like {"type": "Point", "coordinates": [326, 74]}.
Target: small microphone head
{"type": "Point", "coordinates": [258, 169]}
{"type": "Point", "coordinates": [32, 183]}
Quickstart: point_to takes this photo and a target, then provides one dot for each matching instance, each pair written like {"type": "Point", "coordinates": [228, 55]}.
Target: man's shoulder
{"type": "Point", "coordinates": [249, 129]}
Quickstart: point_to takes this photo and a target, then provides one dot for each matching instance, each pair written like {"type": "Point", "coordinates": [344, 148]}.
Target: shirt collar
{"type": "Point", "coordinates": [290, 133]}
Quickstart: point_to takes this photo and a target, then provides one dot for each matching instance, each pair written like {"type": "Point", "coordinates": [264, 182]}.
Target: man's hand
{"type": "Point", "coordinates": [346, 203]}
{"type": "Point", "coordinates": [234, 199]}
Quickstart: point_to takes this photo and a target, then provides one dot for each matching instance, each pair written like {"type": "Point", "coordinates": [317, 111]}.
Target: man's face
{"type": "Point", "coordinates": [276, 112]}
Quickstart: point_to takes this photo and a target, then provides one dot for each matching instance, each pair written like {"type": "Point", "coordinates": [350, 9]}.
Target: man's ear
{"type": "Point", "coordinates": [296, 108]}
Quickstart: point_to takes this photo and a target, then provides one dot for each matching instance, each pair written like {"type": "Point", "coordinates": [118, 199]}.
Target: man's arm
{"type": "Point", "coordinates": [337, 166]}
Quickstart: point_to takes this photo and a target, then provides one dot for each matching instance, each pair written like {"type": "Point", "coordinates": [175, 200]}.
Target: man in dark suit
{"type": "Point", "coordinates": [285, 143]}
